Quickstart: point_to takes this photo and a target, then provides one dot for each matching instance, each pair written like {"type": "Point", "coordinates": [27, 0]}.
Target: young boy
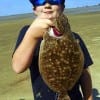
{"type": "Point", "coordinates": [27, 50]}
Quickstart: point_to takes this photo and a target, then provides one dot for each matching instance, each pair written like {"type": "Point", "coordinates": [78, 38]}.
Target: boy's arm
{"type": "Point", "coordinates": [86, 85]}
{"type": "Point", "coordinates": [23, 55]}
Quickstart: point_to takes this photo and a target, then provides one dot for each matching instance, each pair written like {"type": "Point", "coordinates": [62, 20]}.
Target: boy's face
{"type": "Point", "coordinates": [48, 10]}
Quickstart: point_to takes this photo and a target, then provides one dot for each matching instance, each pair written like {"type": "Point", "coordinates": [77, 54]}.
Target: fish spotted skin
{"type": "Point", "coordinates": [60, 59]}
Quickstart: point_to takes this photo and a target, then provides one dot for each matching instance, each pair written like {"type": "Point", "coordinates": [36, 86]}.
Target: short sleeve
{"type": "Point", "coordinates": [87, 58]}
{"type": "Point", "coordinates": [21, 36]}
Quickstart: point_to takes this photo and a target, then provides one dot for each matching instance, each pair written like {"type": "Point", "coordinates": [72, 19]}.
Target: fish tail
{"type": "Point", "coordinates": [63, 97]}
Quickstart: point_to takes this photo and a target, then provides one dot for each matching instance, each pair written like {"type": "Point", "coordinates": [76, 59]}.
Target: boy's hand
{"type": "Point", "coordinates": [40, 25]}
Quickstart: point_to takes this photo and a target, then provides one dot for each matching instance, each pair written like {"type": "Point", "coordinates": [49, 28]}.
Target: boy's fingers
{"type": "Point", "coordinates": [50, 22]}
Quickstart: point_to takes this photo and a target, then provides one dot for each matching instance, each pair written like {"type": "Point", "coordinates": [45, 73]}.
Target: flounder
{"type": "Point", "coordinates": [60, 59]}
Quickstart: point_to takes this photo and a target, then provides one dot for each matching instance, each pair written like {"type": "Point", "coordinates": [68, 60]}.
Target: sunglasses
{"type": "Point", "coordinates": [42, 2]}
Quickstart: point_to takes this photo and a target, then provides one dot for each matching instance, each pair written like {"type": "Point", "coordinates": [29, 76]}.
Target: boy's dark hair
{"type": "Point", "coordinates": [32, 1]}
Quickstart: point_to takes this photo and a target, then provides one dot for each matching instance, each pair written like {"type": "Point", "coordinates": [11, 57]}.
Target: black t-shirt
{"type": "Point", "coordinates": [40, 89]}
